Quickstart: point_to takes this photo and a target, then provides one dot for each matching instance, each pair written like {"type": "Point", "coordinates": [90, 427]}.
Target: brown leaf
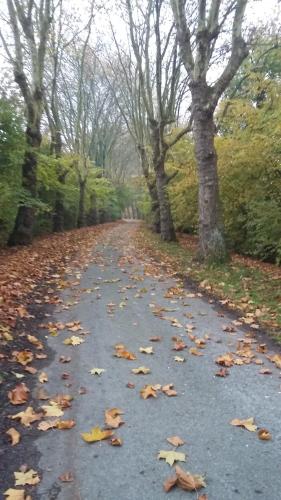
{"type": "Point", "coordinates": [66, 477]}
{"type": "Point", "coordinates": [33, 340]}
{"type": "Point", "coordinates": [223, 372]}
{"type": "Point", "coordinates": [264, 435]}
{"type": "Point", "coordinates": [195, 352]}
{"type": "Point", "coordinates": [30, 369]}
{"type": "Point", "coordinates": [62, 400]}
{"type": "Point", "coordinates": [64, 359]}
{"type": "Point", "coordinates": [65, 424]}
{"type": "Point", "coordinates": [170, 483]}
{"type": "Point", "coordinates": [130, 385]}
{"type": "Point", "coordinates": [19, 395]}
{"type": "Point", "coordinates": [112, 418]}
{"type": "Point", "coordinates": [121, 353]}
{"type": "Point", "coordinates": [42, 394]}
{"type": "Point", "coordinates": [47, 424]}
{"type": "Point", "coordinates": [168, 390]}
{"type": "Point", "coordinates": [43, 377]}
{"type": "Point", "coordinates": [156, 338]}
{"type": "Point", "coordinates": [225, 360]}
{"type": "Point", "coordinates": [24, 357]}
{"type": "Point", "coordinates": [115, 441]}
{"type": "Point", "coordinates": [82, 390]}
{"type": "Point", "coordinates": [179, 346]}
{"type": "Point", "coordinates": [187, 481]}
{"type": "Point", "coordinates": [265, 371]}
{"type": "Point", "coordinates": [246, 424]}
{"type": "Point", "coordinates": [14, 435]}
{"type": "Point", "coordinates": [175, 441]}
{"type": "Point", "coordinates": [148, 391]}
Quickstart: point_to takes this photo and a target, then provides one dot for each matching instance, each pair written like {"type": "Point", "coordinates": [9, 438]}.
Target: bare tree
{"type": "Point", "coordinates": [156, 52]}
{"type": "Point", "coordinates": [29, 24]}
{"type": "Point", "coordinates": [207, 31]}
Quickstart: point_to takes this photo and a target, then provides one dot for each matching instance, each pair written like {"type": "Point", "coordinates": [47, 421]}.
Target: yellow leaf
{"type": "Point", "coordinates": [13, 494]}
{"type": "Point", "coordinates": [96, 434]}
{"type": "Point", "coordinates": [171, 456]}
{"type": "Point", "coordinates": [27, 417]}
{"type": "Point", "coordinates": [246, 424]}
{"type": "Point", "coordinates": [14, 435]}
{"type": "Point", "coordinates": [179, 359]}
{"type": "Point", "coordinates": [74, 340]}
{"type": "Point", "coordinates": [141, 369]}
{"type": "Point", "coordinates": [148, 391]}
{"type": "Point", "coordinates": [29, 477]}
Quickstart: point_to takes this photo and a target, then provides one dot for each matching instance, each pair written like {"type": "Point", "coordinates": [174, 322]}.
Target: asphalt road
{"type": "Point", "coordinates": [237, 465]}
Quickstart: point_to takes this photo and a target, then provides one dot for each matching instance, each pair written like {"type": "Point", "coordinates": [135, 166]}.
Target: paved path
{"type": "Point", "coordinates": [237, 465]}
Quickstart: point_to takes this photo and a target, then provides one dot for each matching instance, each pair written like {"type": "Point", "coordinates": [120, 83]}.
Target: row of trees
{"type": "Point", "coordinates": [146, 86]}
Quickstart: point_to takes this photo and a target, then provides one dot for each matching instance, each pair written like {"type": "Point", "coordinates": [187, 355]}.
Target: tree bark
{"type": "Point", "coordinates": [23, 229]}
{"type": "Point", "coordinates": [166, 221]}
{"type": "Point", "coordinates": [211, 232]}
{"type": "Point", "coordinates": [81, 208]}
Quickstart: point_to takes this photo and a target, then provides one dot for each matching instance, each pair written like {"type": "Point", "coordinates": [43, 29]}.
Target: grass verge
{"type": "Point", "coordinates": [254, 292]}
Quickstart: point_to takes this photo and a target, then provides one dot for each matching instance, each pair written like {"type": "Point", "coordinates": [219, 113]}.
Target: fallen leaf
{"type": "Point", "coordinates": [115, 441]}
{"type": "Point", "coordinates": [195, 352]}
{"type": "Point", "coordinates": [264, 435]}
{"type": "Point", "coordinates": [67, 477]}
{"type": "Point", "coordinates": [64, 359]}
{"type": "Point", "coordinates": [30, 369]}
{"type": "Point", "coordinates": [96, 434]}
{"type": "Point", "coordinates": [82, 390]}
{"type": "Point", "coordinates": [74, 340]}
{"type": "Point", "coordinates": [130, 385]}
{"type": "Point", "coordinates": [146, 350]}
{"type": "Point", "coordinates": [113, 418]}
{"type": "Point", "coordinates": [223, 372]}
{"type": "Point", "coordinates": [13, 494]}
{"type": "Point", "coordinates": [47, 424]}
{"type": "Point", "coordinates": [33, 340]}
{"type": "Point", "coordinates": [179, 359]}
{"type": "Point", "coordinates": [97, 371]}
{"type": "Point", "coordinates": [122, 353]}
{"type": "Point", "coordinates": [19, 395]}
{"type": "Point", "coordinates": [43, 377]}
{"type": "Point", "coordinates": [175, 441]}
{"type": "Point", "coordinates": [28, 477]}
{"type": "Point", "coordinates": [42, 394]}
{"type": "Point", "coordinates": [24, 357]}
{"type": "Point", "coordinates": [265, 371]}
{"type": "Point", "coordinates": [14, 435]}
{"type": "Point", "coordinates": [62, 400]}
{"type": "Point", "coordinates": [179, 346]}
{"type": "Point", "coordinates": [246, 424]}
{"type": "Point", "coordinates": [52, 410]}
{"type": "Point", "coordinates": [65, 424]}
{"type": "Point", "coordinates": [168, 390]}
{"type": "Point", "coordinates": [148, 391]}
{"type": "Point", "coordinates": [141, 370]}
{"type": "Point", "coordinates": [171, 456]}
{"type": "Point", "coordinates": [156, 338]}
{"type": "Point", "coordinates": [225, 360]}
{"type": "Point", "coordinates": [185, 480]}
{"type": "Point", "coordinates": [27, 416]}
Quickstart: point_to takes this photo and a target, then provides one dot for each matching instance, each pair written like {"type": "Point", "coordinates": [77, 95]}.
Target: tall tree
{"type": "Point", "coordinates": [29, 25]}
{"type": "Point", "coordinates": [156, 52]}
{"type": "Point", "coordinates": [204, 32]}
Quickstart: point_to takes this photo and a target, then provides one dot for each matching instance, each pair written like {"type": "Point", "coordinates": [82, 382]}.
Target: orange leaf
{"type": "Point", "coordinates": [148, 391]}
{"type": "Point", "coordinates": [19, 395]}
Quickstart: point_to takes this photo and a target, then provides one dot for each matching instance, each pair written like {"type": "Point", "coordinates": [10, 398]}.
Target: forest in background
{"type": "Point", "coordinates": [112, 125]}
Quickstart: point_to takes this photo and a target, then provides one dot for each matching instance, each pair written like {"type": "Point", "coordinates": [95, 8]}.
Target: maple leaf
{"type": "Point", "coordinates": [148, 391]}
{"type": "Point", "coordinates": [146, 350]}
{"type": "Point", "coordinates": [171, 456]}
{"type": "Point", "coordinates": [185, 480]}
{"type": "Point", "coordinates": [24, 357]}
{"type": "Point", "coordinates": [264, 435]}
{"type": "Point", "coordinates": [14, 435]}
{"type": "Point", "coordinates": [52, 410]}
{"type": "Point", "coordinates": [13, 494]}
{"type": "Point", "coordinates": [33, 340]}
{"type": "Point", "coordinates": [195, 352]}
{"type": "Point", "coordinates": [168, 390]}
{"type": "Point", "coordinates": [112, 418]}
{"type": "Point", "coordinates": [97, 371]}
{"type": "Point", "coordinates": [225, 360]}
{"type": "Point", "coordinates": [175, 441]}
{"type": "Point", "coordinates": [47, 424]}
{"type": "Point", "coordinates": [179, 346]}
{"type": "Point", "coordinates": [96, 434]}
{"type": "Point", "coordinates": [65, 424]}
{"type": "Point", "coordinates": [122, 353]}
{"type": "Point", "coordinates": [246, 424]}
{"type": "Point", "coordinates": [141, 370]}
{"type": "Point", "coordinates": [74, 340]}
{"type": "Point", "coordinates": [19, 395]}
{"type": "Point", "coordinates": [179, 359]}
{"type": "Point", "coordinates": [28, 477]}
{"type": "Point", "coordinates": [43, 377]}
{"type": "Point", "coordinates": [27, 417]}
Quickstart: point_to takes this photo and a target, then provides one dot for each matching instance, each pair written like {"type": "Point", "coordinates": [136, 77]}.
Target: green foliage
{"type": "Point", "coordinates": [12, 144]}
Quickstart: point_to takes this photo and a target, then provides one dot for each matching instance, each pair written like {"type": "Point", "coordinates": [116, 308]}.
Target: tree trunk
{"type": "Point", "coordinates": [152, 189]}
{"type": "Point", "coordinates": [211, 234]}
{"type": "Point", "coordinates": [166, 221]}
{"type": "Point", "coordinates": [58, 219]}
{"type": "Point", "coordinates": [81, 208]}
{"type": "Point", "coordinates": [23, 230]}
